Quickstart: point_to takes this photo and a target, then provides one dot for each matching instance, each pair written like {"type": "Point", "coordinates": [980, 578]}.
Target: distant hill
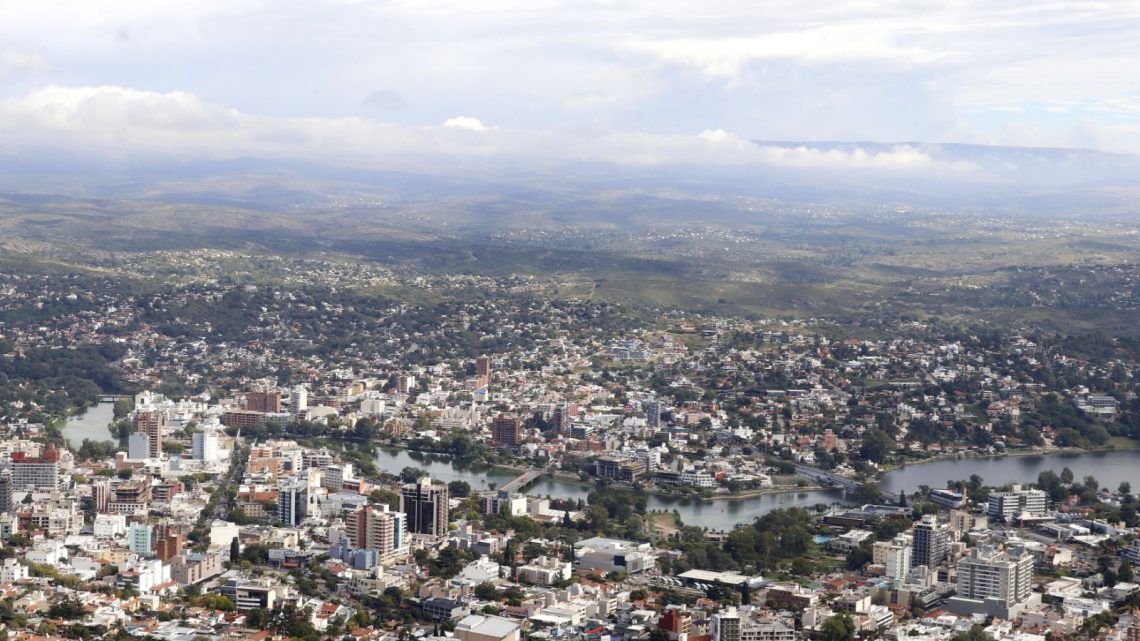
{"type": "Point", "coordinates": [1071, 182]}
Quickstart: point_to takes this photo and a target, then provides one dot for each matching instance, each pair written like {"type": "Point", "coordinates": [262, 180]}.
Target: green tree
{"type": "Point", "coordinates": [837, 627]}
{"type": "Point", "coordinates": [876, 445]}
{"type": "Point", "coordinates": [1066, 475]}
{"type": "Point", "coordinates": [257, 618]}
{"type": "Point", "coordinates": [459, 489]}
{"type": "Point", "coordinates": [975, 633]}
{"type": "Point", "coordinates": [1124, 572]}
{"type": "Point", "coordinates": [122, 407]}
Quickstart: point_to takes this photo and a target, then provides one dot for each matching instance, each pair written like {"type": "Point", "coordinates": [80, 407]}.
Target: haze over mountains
{"type": "Point", "coordinates": [1069, 182]}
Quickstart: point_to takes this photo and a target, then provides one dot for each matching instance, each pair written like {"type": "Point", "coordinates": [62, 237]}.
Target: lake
{"type": "Point", "coordinates": [1110, 468]}
{"type": "Point", "coordinates": [90, 424]}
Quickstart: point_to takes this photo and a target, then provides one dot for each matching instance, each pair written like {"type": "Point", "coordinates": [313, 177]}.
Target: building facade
{"type": "Point", "coordinates": [425, 505]}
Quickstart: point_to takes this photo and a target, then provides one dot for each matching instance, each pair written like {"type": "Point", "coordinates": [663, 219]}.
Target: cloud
{"type": "Point", "coordinates": [179, 123]}
{"type": "Point", "coordinates": [18, 61]}
{"type": "Point", "coordinates": [726, 57]}
{"type": "Point", "coordinates": [465, 122]}
{"type": "Point", "coordinates": [773, 69]}
{"type": "Point", "coordinates": [384, 101]}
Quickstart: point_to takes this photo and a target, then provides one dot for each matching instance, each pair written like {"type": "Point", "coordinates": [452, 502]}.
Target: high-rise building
{"type": "Point", "coordinates": [299, 399]}
{"type": "Point", "coordinates": [483, 370]}
{"type": "Point", "coordinates": [379, 529]}
{"type": "Point", "coordinates": [101, 495]}
{"type": "Point", "coordinates": [37, 472]}
{"type": "Point", "coordinates": [725, 625]}
{"type": "Point", "coordinates": [425, 505]}
{"type": "Point", "coordinates": [653, 414]}
{"type": "Point", "coordinates": [5, 491]}
{"type": "Point", "coordinates": [263, 401]}
{"type": "Point", "coordinates": [293, 500]}
{"type": "Point", "coordinates": [205, 446]}
{"type": "Point", "coordinates": [140, 538]}
{"type": "Point", "coordinates": [138, 446]}
{"type": "Point", "coordinates": [150, 423]}
{"type": "Point", "coordinates": [896, 558]}
{"type": "Point", "coordinates": [405, 384]}
{"type": "Point", "coordinates": [931, 540]}
{"type": "Point", "coordinates": [505, 431]}
{"type": "Point", "coordinates": [169, 545]}
{"type": "Point", "coordinates": [991, 581]}
{"type": "Point", "coordinates": [1017, 504]}
{"type": "Point", "coordinates": [560, 418]}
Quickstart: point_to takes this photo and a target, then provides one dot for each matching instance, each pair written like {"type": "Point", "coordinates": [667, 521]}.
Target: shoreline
{"type": "Point", "coordinates": [748, 494]}
{"type": "Point", "coordinates": [967, 456]}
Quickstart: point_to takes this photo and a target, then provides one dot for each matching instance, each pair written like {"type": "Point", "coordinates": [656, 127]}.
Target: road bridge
{"type": "Point", "coordinates": [523, 481]}
{"type": "Point", "coordinates": [826, 479]}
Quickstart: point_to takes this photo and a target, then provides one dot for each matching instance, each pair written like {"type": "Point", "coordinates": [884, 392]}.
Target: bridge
{"type": "Point", "coordinates": [826, 479]}
{"type": "Point", "coordinates": [527, 477]}
{"type": "Point", "coordinates": [110, 398]}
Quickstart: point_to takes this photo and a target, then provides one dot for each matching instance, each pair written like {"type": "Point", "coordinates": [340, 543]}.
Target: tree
{"type": "Point", "coordinates": [1124, 572]}
{"type": "Point", "coordinates": [122, 407]}
{"type": "Point", "coordinates": [235, 550]}
{"type": "Point", "coordinates": [1066, 476]}
{"type": "Point", "coordinates": [867, 493]}
{"type": "Point", "coordinates": [214, 602]}
{"type": "Point", "coordinates": [876, 445]}
{"type": "Point", "coordinates": [257, 618]}
{"type": "Point", "coordinates": [902, 498]}
{"type": "Point", "coordinates": [411, 474]}
{"type": "Point", "coordinates": [487, 591]}
{"type": "Point", "coordinates": [975, 633]}
{"type": "Point", "coordinates": [1125, 487]}
{"type": "Point", "coordinates": [459, 489]}
{"type": "Point", "coordinates": [837, 627]}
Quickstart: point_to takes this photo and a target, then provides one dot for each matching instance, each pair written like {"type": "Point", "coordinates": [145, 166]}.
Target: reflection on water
{"type": "Point", "coordinates": [716, 515]}
{"type": "Point", "coordinates": [1110, 468]}
{"type": "Point", "coordinates": [91, 424]}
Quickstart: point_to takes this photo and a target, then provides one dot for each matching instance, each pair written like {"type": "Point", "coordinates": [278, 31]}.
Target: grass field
{"type": "Point", "coordinates": [1124, 443]}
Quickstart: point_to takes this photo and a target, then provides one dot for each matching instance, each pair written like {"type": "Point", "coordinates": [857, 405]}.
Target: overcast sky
{"type": "Point", "coordinates": [631, 81]}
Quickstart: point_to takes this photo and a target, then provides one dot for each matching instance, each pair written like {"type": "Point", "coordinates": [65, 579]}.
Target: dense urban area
{"type": "Point", "coordinates": [264, 470]}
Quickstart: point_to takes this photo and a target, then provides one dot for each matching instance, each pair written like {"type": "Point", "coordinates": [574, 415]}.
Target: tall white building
{"type": "Point", "coordinates": [993, 581]}
{"type": "Point", "coordinates": [205, 446]}
{"type": "Point", "coordinates": [140, 538]}
{"type": "Point", "coordinates": [897, 561]}
{"type": "Point", "coordinates": [138, 446]}
{"type": "Point", "coordinates": [299, 399]}
{"type": "Point", "coordinates": [1017, 504]}
{"type": "Point", "coordinates": [931, 540]}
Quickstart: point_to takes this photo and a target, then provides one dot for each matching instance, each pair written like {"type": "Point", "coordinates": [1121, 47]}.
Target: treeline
{"type": "Point", "coordinates": [59, 380]}
{"type": "Point", "coordinates": [782, 537]}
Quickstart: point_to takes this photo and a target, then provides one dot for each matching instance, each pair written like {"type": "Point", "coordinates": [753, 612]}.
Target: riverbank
{"type": "Point", "coordinates": [735, 496]}
{"type": "Point", "coordinates": [973, 456]}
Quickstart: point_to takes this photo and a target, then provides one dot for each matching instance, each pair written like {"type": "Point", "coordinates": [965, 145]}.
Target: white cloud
{"type": "Point", "coordinates": [465, 122]}
{"type": "Point", "coordinates": [726, 57]}
{"type": "Point", "coordinates": [125, 119]}
{"type": "Point", "coordinates": [766, 69]}
{"type": "Point", "coordinates": [18, 61]}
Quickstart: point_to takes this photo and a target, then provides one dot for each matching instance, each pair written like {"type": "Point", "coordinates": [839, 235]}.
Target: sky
{"type": "Point", "coordinates": [637, 82]}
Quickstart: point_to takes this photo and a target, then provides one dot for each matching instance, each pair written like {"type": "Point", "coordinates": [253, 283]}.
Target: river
{"type": "Point", "coordinates": [717, 515]}
{"type": "Point", "coordinates": [1110, 468]}
{"type": "Point", "coordinates": [90, 424]}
